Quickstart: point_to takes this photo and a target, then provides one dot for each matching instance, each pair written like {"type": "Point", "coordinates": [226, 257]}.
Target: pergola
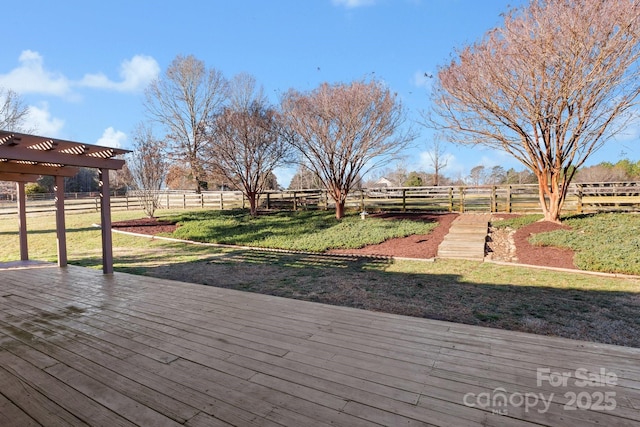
{"type": "Point", "coordinates": [24, 158]}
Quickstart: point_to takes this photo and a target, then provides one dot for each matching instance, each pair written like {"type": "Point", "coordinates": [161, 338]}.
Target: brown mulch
{"type": "Point", "coordinates": [417, 246]}
{"type": "Point", "coordinates": [541, 255]}
{"type": "Point", "coordinates": [151, 226]}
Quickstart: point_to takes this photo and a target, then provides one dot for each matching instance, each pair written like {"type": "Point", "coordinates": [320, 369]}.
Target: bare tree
{"type": "Point", "coordinates": [13, 111]}
{"type": "Point", "coordinates": [478, 175]}
{"type": "Point", "coordinates": [438, 160]}
{"type": "Point", "coordinates": [304, 179]}
{"type": "Point", "coordinates": [603, 172]}
{"type": "Point", "coordinates": [148, 166]}
{"type": "Point", "coordinates": [247, 143]}
{"type": "Point", "coordinates": [343, 130]}
{"type": "Point", "coordinates": [550, 87]}
{"type": "Point", "coordinates": [183, 100]}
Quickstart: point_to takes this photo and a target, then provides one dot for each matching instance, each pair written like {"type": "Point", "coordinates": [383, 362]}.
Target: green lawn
{"type": "Point", "coordinates": [605, 242]}
{"type": "Point", "coordinates": [573, 305]}
{"type": "Point", "coordinates": [314, 231]}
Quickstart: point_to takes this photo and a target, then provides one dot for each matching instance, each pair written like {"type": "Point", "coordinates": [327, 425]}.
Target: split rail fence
{"type": "Point", "coordinates": [581, 198]}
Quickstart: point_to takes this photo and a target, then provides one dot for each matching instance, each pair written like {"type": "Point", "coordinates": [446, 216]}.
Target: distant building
{"type": "Point", "coordinates": [383, 182]}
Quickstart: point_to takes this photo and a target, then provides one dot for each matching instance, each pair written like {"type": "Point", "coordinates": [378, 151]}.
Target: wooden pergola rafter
{"type": "Point", "coordinates": [24, 158]}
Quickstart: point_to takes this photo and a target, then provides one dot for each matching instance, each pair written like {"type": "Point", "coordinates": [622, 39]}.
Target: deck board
{"type": "Point", "coordinates": [81, 348]}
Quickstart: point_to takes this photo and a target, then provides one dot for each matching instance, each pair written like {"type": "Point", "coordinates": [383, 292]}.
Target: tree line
{"type": "Point", "coordinates": [227, 132]}
{"type": "Point", "coordinates": [550, 86]}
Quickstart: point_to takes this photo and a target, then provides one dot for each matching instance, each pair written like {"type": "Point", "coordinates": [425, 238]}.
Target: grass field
{"type": "Point", "coordinates": [571, 305]}
{"type": "Point", "coordinates": [314, 231]}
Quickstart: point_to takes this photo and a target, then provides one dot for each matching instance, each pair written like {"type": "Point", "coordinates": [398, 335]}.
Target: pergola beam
{"type": "Point", "coordinates": [18, 177]}
{"type": "Point", "coordinates": [38, 169]}
{"type": "Point", "coordinates": [54, 157]}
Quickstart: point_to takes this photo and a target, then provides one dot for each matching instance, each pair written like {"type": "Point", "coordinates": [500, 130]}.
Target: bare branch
{"type": "Point", "coordinates": [344, 130]}
{"type": "Point", "coordinates": [550, 87]}
{"type": "Point", "coordinates": [182, 101]}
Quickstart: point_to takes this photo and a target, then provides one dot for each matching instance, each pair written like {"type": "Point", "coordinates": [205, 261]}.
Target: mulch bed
{"type": "Point", "coordinates": [541, 255]}
{"type": "Point", "coordinates": [150, 226]}
{"type": "Point", "coordinates": [417, 246]}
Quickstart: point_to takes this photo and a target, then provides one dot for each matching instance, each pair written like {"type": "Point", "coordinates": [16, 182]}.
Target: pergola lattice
{"type": "Point", "coordinates": [24, 158]}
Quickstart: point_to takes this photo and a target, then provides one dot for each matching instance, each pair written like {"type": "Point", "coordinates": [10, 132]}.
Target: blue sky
{"type": "Point", "coordinates": [82, 65]}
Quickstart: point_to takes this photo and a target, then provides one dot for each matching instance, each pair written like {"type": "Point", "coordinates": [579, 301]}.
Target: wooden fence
{"type": "Point", "coordinates": [582, 198]}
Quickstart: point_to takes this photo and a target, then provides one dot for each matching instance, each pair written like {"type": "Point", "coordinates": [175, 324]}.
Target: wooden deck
{"type": "Point", "coordinates": [80, 348]}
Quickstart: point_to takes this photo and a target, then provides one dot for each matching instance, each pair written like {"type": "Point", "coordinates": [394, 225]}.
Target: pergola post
{"type": "Point", "coordinates": [105, 221]}
{"type": "Point", "coordinates": [26, 157]}
{"type": "Point", "coordinates": [22, 221]}
{"type": "Point", "coordinates": [61, 229]}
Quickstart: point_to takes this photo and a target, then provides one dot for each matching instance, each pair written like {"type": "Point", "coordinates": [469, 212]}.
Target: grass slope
{"type": "Point", "coordinates": [314, 231]}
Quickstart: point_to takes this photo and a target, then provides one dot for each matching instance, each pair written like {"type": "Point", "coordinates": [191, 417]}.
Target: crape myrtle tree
{"type": "Point", "coordinates": [245, 140]}
{"type": "Point", "coordinates": [343, 130]}
{"type": "Point", "coordinates": [148, 166]}
{"type": "Point", "coordinates": [182, 100]}
{"type": "Point", "coordinates": [550, 86]}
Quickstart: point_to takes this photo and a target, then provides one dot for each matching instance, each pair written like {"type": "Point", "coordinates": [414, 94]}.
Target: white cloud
{"type": "Point", "coordinates": [351, 4]}
{"type": "Point", "coordinates": [136, 74]}
{"type": "Point", "coordinates": [40, 121]}
{"type": "Point", "coordinates": [112, 138]}
{"type": "Point", "coordinates": [32, 77]}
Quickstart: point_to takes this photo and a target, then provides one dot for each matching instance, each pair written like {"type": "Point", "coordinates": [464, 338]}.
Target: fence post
{"type": "Point", "coordinates": [221, 201]}
{"type": "Point", "coordinates": [450, 199]}
{"type": "Point", "coordinates": [461, 199]}
{"type": "Point", "coordinates": [494, 200]}
{"type": "Point", "coordinates": [202, 200]}
{"type": "Point", "coordinates": [508, 199]}
{"type": "Point", "coordinates": [362, 200]}
{"type": "Point", "coordinates": [579, 198]}
{"type": "Point", "coordinates": [268, 201]}
{"type": "Point", "coordinates": [404, 200]}
{"type": "Point", "coordinates": [295, 202]}
{"type": "Point", "coordinates": [242, 195]}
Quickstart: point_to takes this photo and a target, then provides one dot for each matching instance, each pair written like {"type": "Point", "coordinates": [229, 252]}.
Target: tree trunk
{"type": "Point", "coordinates": [551, 196]}
{"type": "Point", "coordinates": [340, 209]}
{"type": "Point", "coordinates": [253, 204]}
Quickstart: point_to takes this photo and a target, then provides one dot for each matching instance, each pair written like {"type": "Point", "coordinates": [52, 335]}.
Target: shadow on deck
{"type": "Point", "coordinates": [78, 347]}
